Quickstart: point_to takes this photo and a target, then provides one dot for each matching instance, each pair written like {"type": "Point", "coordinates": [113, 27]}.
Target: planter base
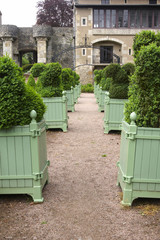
{"type": "Point", "coordinates": [63, 126]}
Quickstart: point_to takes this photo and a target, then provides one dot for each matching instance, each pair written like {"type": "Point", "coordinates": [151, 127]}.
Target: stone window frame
{"type": "Point", "coordinates": [83, 21]}
{"type": "Point", "coordinates": [130, 51]}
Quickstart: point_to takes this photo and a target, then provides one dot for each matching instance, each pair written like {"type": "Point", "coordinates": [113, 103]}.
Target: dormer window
{"type": "Point", "coordinates": [105, 2]}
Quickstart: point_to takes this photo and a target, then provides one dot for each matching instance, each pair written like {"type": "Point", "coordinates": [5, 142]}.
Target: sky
{"type": "Point", "coordinates": [21, 13]}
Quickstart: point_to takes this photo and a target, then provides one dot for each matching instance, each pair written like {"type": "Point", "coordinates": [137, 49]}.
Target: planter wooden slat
{"type": "Point", "coordinates": [23, 160]}
{"type": "Point", "coordinates": [139, 165]}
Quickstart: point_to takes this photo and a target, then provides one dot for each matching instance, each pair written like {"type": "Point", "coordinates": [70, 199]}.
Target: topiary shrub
{"type": "Point", "coordinates": [76, 78]}
{"type": "Point", "coordinates": [112, 70]}
{"type": "Point", "coordinates": [51, 82]}
{"type": "Point", "coordinates": [98, 76]}
{"type": "Point", "coordinates": [67, 79]}
{"type": "Point", "coordinates": [31, 81]}
{"type": "Point", "coordinates": [143, 38]}
{"type": "Point", "coordinates": [144, 89]}
{"type": "Point", "coordinates": [118, 81]}
{"type": "Point", "coordinates": [105, 83]}
{"type": "Point", "coordinates": [37, 69]}
{"type": "Point", "coordinates": [16, 99]}
{"type": "Point", "coordinates": [129, 68]}
{"type": "Point", "coordinates": [26, 67]}
{"type": "Point", "coordinates": [87, 88]}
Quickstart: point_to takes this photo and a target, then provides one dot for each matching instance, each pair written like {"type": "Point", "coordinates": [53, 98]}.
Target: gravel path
{"type": "Point", "coordinates": [82, 201]}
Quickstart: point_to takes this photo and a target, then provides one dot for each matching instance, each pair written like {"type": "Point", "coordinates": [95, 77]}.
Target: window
{"type": "Point", "coordinates": [152, 1]}
{"type": "Point", "coordinates": [105, 1]}
{"type": "Point", "coordinates": [126, 18]}
{"type": "Point", "coordinates": [83, 52]}
{"type": "Point", "coordinates": [83, 21]}
{"type": "Point", "coordinates": [106, 54]}
{"type": "Point", "coordinates": [130, 51]}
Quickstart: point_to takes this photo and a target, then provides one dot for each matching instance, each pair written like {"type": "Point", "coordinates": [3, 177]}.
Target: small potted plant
{"type": "Point", "coordinates": [23, 161]}
{"type": "Point", "coordinates": [51, 89]}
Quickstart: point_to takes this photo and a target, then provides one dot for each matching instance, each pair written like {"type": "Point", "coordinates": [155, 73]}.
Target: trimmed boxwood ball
{"type": "Point", "coordinates": [37, 69]}
{"type": "Point", "coordinates": [144, 89]}
{"type": "Point", "coordinates": [16, 99]}
{"type": "Point", "coordinates": [31, 81]}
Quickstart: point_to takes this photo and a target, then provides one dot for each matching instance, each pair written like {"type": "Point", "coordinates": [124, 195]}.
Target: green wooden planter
{"type": "Point", "coordinates": [95, 89]}
{"type": "Point", "coordinates": [101, 100]}
{"type": "Point", "coordinates": [139, 164]}
{"type": "Point", "coordinates": [76, 92]}
{"type": "Point", "coordinates": [79, 89]}
{"type": "Point", "coordinates": [98, 93]}
{"type": "Point", "coordinates": [70, 100]}
{"type": "Point", "coordinates": [113, 113]}
{"type": "Point", "coordinates": [23, 159]}
{"type": "Point", "coordinates": [56, 114]}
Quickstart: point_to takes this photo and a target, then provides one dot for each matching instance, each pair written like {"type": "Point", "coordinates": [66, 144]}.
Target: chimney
{"type": "Point", "coordinates": [0, 18]}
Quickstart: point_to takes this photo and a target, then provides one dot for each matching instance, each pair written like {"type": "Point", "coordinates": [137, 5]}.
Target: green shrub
{"type": "Point", "coordinates": [117, 81]}
{"type": "Point", "coordinates": [87, 88]}
{"type": "Point", "coordinates": [111, 71]}
{"type": "Point", "coordinates": [31, 81]}
{"type": "Point", "coordinates": [51, 91]}
{"type": "Point", "coordinates": [38, 86]}
{"type": "Point", "coordinates": [119, 91]}
{"type": "Point", "coordinates": [51, 76]}
{"type": "Point", "coordinates": [37, 69]}
{"type": "Point", "coordinates": [143, 38]}
{"type": "Point", "coordinates": [67, 79]}
{"type": "Point", "coordinates": [144, 89]}
{"type": "Point", "coordinates": [105, 83]}
{"type": "Point", "coordinates": [32, 100]}
{"type": "Point", "coordinates": [129, 68]}
{"type": "Point", "coordinates": [26, 67]}
{"type": "Point", "coordinates": [76, 78]}
{"type": "Point", "coordinates": [17, 100]}
{"type": "Point", "coordinates": [98, 76]}
{"type": "Point", "coordinates": [51, 81]}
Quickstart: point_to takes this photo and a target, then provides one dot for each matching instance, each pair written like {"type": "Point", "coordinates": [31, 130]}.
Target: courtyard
{"type": "Point", "coordinates": [82, 200]}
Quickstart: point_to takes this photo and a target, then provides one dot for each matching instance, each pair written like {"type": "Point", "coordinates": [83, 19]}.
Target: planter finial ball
{"type": "Point", "coordinates": [33, 114]}
{"type": "Point", "coordinates": [133, 118]}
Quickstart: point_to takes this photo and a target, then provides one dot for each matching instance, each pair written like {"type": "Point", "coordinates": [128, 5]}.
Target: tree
{"type": "Point", "coordinates": [56, 13]}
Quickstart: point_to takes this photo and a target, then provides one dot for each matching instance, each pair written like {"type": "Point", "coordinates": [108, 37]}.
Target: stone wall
{"type": "Point", "coordinates": [51, 44]}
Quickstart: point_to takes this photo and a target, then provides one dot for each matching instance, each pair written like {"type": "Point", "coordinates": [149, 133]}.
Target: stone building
{"type": "Point", "coordinates": [104, 31]}
{"type": "Point", "coordinates": [48, 44]}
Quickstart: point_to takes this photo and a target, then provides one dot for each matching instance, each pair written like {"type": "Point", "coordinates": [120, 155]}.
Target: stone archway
{"type": "Point", "coordinates": [22, 52]}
